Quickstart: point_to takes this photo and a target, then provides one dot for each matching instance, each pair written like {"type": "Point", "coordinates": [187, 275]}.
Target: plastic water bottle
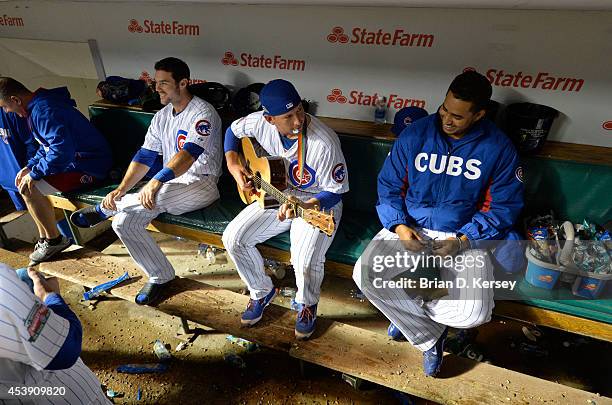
{"type": "Point", "coordinates": [380, 113]}
{"type": "Point", "coordinates": [210, 255]}
{"type": "Point", "coordinates": [160, 350]}
{"type": "Point", "coordinates": [202, 248]}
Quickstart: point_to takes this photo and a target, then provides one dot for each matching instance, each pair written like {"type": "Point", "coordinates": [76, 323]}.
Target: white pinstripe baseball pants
{"type": "Point", "coordinates": [131, 220]}
{"type": "Point", "coordinates": [423, 323]}
{"type": "Point", "coordinates": [308, 247]}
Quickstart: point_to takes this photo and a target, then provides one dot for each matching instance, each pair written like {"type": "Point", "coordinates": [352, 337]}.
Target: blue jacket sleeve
{"type": "Point", "coordinates": [392, 185]}
{"type": "Point", "coordinates": [52, 126]}
{"type": "Point", "coordinates": [39, 154]}
{"type": "Point", "coordinates": [503, 201]}
{"type": "Point", "coordinates": [25, 136]}
{"type": "Point", "coordinates": [70, 351]}
{"type": "Point", "coordinates": [231, 141]}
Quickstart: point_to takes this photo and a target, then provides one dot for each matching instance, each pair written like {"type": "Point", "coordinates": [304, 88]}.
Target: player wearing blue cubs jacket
{"type": "Point", "coordinates": [468, 185]}
{"type": "Point", "coordinates": [452, 177]}
{"type": "Point", "coordinates": [72, 153]}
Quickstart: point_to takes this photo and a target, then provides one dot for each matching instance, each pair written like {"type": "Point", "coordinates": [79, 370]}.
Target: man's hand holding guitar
{"type": "Point", "coordinates": [239, 172]}
{"type": "Point", "coordinates": [287, 210]}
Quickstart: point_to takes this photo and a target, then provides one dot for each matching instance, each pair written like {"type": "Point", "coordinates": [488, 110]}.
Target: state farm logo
{"type": "Point", "coordinates": [541, 80]}
{"type": "Point", "coordinates": [229, 59]}
{"type": "Point", "coordinates": [276, 62]}
{"type": "Point", "coordinates": [163, 28]}
{"type": "Point", "coordinates": [336, 96]}
{"type": "Point", "coordinates": [134, 26]}
{"type": "Point", "coordinates": [8, 21]}
{"type": "Point", "coordinates": [363, 36]}
{"type": "Point", "coordinates": [338, 35]}
{"type": "Point", "coordinates": [607, 125]}
{"type": "Point", "coordinates": [358, 97]}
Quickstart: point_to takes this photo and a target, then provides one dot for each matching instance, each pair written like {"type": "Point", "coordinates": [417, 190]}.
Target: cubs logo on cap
{"type": "Point", "coordinates": [339, 173]}
{"type": "Point", "coordinates": [202, 127]}
{"type": "Point", "coordinates": [405, 117]}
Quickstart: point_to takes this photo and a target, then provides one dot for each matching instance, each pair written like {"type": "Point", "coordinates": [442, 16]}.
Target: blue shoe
{"type": "Point", "coordinates": [88, 217]}
{"type": "Point", "coordinates": [255, 308]}
{"type": "Point", "coordinates": [432, 358]}
{"type": "Point", "coordinates": [150, 293]}
{"type": "Point", "coordinates": [394, 333]}
{"type": "Point", "coordinates": [305, 322]}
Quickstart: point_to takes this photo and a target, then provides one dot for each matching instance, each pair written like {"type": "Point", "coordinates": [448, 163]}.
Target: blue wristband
{"type": "Point", "coordinates": [164, 175]}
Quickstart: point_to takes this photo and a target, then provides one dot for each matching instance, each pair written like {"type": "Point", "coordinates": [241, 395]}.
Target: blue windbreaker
{"type": "Point", "coordinates": [68, 141]}
{"type": "Point", "coordinates": [16, 148]}
{"type": "Point", "coordinates": [472, 185]}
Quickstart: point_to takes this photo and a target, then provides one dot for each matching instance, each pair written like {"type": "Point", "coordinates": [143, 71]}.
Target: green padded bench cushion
{"type": "Point", "coordinates": [353, 235]}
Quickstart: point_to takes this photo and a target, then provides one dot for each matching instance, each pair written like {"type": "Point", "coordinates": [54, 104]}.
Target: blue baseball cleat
{"type": "Point", "coordinates": [394, 333]}
{"type": "Point", "coordinates": [255, 308]}
{"type": "Point", "coordinates": [305, 322]}
{"type": "Point", "coordinates": [432, 358]}
{"type": "Point", "coordinates": [88, 217]}
{"type": "Point", "coordinates": [150, 293]}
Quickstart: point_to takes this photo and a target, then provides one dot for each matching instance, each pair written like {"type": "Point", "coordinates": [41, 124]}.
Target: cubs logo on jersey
{"type": "Point", "coordinates": [86, 179]}
{"type": "Point", "coordinates": [203, 127]}
{"type": "Point", "coordinates": [339, 173]}
{"type": "Point", "coordinates": [5, 134]}
{"type": "Point", "coordinates": [181, 137]}
{"type": "Point", "coordinates": [308, 177]}
{"type": "Point", "coordinates": [519, 174]}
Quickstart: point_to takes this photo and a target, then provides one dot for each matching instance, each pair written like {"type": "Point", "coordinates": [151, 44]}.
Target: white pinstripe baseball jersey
{"type": "Point", "coordinates": [198, 123]}
{"type": "Point", "coordinates": [31, 335]}
{"type": "Point", "coordinates": [325, 168]}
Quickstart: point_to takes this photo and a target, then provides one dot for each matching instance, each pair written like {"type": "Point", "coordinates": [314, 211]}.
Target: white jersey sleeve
{"type": "Point", "coordinates": [204, 124]}
{"type": "Point", "coordinates": [333, 171]}
{"type": "Point", "coordinates": [153, 139]}
{"type": "Point", "coordinates": [248, 126]}
{"type": "Point", "coordinates": [30, 332]}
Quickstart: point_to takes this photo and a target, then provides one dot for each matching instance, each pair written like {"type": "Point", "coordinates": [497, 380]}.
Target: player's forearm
{"type": "Point", "coordinates": [180, 163]}
{"type": "Point", "coordinates": [135, 172]}
{"type": "Point", "coordinates": [232, 158]}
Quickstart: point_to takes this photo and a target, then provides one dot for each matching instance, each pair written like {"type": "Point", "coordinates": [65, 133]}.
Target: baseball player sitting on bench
{"type": "Point", "coordinates": [455, 177]}
{"type": "Point", "coordinates": [40, 344]}
{"type": "Point", "coordinates": [309, 147]}
{"type": "Point", "coordinates": [187, 135]}
{"type": "Point", "coordinates": [72, 154]}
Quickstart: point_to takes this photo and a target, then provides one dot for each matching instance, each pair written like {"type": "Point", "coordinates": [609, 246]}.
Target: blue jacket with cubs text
{"type": "Point", "coordinates": [68, 141]}
{"type": "Point", "coordinates": [472, 185]}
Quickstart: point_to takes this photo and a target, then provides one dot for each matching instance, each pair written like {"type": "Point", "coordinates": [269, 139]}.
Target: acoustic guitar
{"type": "Point", "coordinates": [268, 175]}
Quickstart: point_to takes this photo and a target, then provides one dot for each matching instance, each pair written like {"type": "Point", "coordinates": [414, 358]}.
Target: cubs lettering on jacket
{"type": "Point", "coordinates": [452, 165]}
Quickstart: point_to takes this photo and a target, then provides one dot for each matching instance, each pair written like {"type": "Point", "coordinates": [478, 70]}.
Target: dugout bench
{"type": "Point", "coordinates": [573, 180]}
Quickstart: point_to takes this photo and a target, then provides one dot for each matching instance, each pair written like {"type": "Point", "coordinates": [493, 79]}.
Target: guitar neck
{"type": "Point", "coordinates": [277, 194]}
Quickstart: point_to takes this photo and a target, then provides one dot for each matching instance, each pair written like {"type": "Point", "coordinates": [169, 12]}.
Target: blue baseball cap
{"type": "Point", "coordinates": [405, 117]}
{"type": "Point", "coordinates": [279, 97]}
